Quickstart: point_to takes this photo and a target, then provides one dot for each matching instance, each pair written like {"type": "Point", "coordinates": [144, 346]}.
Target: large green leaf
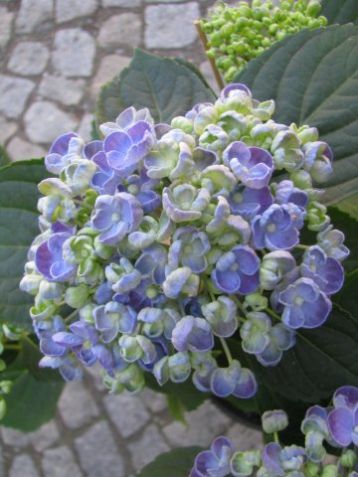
{"type": "Point", "coordinates": [343, 221]}
{"type": "Point", "coordinates": [322, 360]}
{"type": "Point", "coordinates": [313, 77]}
{"type": "Point", "coordinates": [18, 227]}
{"type": "Point", "coordinates": [4, 157]}
{"type": "Point", "coordinates": [340, 11]}
{"type": "Point", "coordinates": [167, 87]}
{"type": "Point", "coordinates": [35, 391]}
{"type": "Point", "coordinates": [176, 463]}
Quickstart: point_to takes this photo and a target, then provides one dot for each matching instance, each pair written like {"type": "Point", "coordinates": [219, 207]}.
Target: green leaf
{"type": "Point", "coordinates": [340, 11]}
{"type": "Point", "coordinates": [176, 463]}
{"type": "Point", "coordinates": [165, 86]}
{"type": "Point", "coordinates": [349, 205]}
{"type": "Point", "coordinates": [313, 77]}
{"type": "Point", "coordinates": [347, 298]}
{"type": "Point", "coordinates": [333, 350]}
{"type": "Point", "coordinates": [188, 395]}
{"type": "Point", "coordinates": [35, 391]}
{"type": "Point", "coordinates": [18, 227]}
{"type": "Point", "coordinates": [4, 157]}
{"type": "Point", "coordinates": [31, 402]}
{"type": "Point", "coordinates": [176, 408]}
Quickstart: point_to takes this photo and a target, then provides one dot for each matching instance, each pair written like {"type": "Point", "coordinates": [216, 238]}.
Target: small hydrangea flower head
{"type": "Point", "coordinates": [343, 419]}
{"type": "Point", "coordinates": [62, 150]}
{"type": "Point", "coordinates": [255, 332]}
{"type": "Point", "coordinates": [193, 334]}
{"type": "Point", "coordinates": [49, 258]}
{"type": "Point", "coordinates": [249, 202]}
{"type": "Point", "coordinates": [214, 462]}
{"type": "Point", "coordinates": [278, 460]}
{"type": "Point", "coordinates": [305, 305]}
{"type": "Point", "coordinates": [332, 242]}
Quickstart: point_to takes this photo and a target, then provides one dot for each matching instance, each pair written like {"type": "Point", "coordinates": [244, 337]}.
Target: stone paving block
{"type": "Point", "coordinates": [29, 58]}
{"type": "Point", "coordinates": [33, 14]}
{"type": "Point", "coordinates": [14, 438]}
{"type": "Point", "coordinates": [74, 52]}
{"type": "Point", "coordinates": [110, 66]}
{"type": "Point", "coordinates": [44, 121]}
{"type": "Point", "coordinates": [85, 129]}
{"type": "Point", "coordinates": [19, 149]}
{"type": "Point", "coordinates": [121, 3]}
{"type": "Point", "coordinates": [147, 447]}
{"type": "Point", "coordinates": [45, 437]}
{"type": "Point", "coordinates": [171, 26]}
{"type": "Point", "coordinates": [205, 423]}
{"type": "Point", "coordinates": [98, 453]}
{"type": "Point", "coordinates": [64, 90]}
{"type": "Point", "coordinates": [244, 438]}
{"type": "Point", "coordinates": [23, 466]}
{"type": "Point", "coordinates": [124, 29]}
{"type": "Point", "coordinates": [156, 402]}
{"type": "Point", "coordinates": [127, 413]}
{"type": "Point", "coordinates": [7, 129]}
{"type": "Point", "coordinates": [60, 462]}
{"type": "Point", "coordinates": [76, 405]}
{"type": "Point", "coordinates": [6, 20]}
{"type": "Point", "coordinates": [68, 10]}
{"type": "Point", "coordinates": [14, 93]}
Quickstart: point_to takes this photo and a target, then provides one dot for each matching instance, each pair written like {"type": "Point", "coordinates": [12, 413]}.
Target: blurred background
{"type": "Point", "coordinates": [54, 57]}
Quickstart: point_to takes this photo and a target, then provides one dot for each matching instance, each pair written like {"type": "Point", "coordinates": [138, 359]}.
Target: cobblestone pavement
{"type": "Point", "coordinates": [54, 57]}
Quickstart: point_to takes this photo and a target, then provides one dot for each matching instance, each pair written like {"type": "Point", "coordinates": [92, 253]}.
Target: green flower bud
{"type": "Point", "coordinates": [5, 386]}
{"type": "Point", "coordinates": [76, 297]}
{"type": "Point", "coordinates": [301, 179]}
{"type": "Point", "coordinates": [256, 302]}
{"type": "Point", "coordinates": [316, 217]}
{"type": "Point", "coordinates": [274, 421]}
{"type": "Point", "coordinates": [86, 313]}
{"type": "Point", "coordinates": [330, 471]}
{"type": "Point", "coordinates": [348, 459]}
{"type": "Point", "coordinates": [180, 122]}
{"type": "Point", "coordinates": [311, 469]}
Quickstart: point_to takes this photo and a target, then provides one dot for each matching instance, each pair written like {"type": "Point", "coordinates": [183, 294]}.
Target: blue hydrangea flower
{"type": "Point", "coordinates": [325, 271]}
{"type": "Point", "coordinates": [204, 365]}
{"type": "Point", "coordinates": [237, 271]}
{"type": "Point", "coordinates": [50, 261]}
{"type": "Point", "coordinates": [253, 166]}
{"type": "Point", "coordinates": [281, 338]}
{"type": "Point", "coordinates": [275, 266]}
{"type": "Point", "coordinates": [189, 248]}
{"type": "Point", "coordinates": [152, 262]}
{"type": "Point", "coordinates": [278, 460]}
{"type": "Point", "coordinates": [62, 151]}
{"type": "Point", "coordinates": [214, 462]}
{"type": "Point", "coordinates": [223, 381]}
{"type": "Point", "coordinates": [116, 216]}
{"type": "Point", "coordinates": [113, 318]}
{"type": "Point", "coordinates": [249, 202]}
{"type": "Point", "coordinates": [105, 180]}
{"type": "Point", "coordinates": [125, 149]}
{"type": "Point", "coordinates": [287, 192]}
{"type": "Point", "coordinates": [126, 119]}
{"type": "Point", "coordinates": [343, 419]}
{"type": "Point", "coordinates": [222, 316]}
{"type": "Point", "coordinates": [332, 242]}
{"type": "Point", "coordinates": [278, 227]}
{"type": "Point", "coordinates": [318, 160]}
{"type": "Point", "coordinates": [184, 203]}
{"type": "Point", "coordinates": [315, 428]}
{"type": "Point", "coordinates": [305, 306]}
{"type": "Point", "coordinates": [142, 187]}
{"type": "Point", "coordinates": [192, 334]}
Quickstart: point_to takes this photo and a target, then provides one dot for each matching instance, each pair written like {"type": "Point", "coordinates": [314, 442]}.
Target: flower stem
{"type": "Point", "coordinates": [276, 438]}
{"type": "Point", "coordinates": [204, 42]}
{"type": "Point", "coordinates": [226, 350]}
{"type": "Point", "coordinates": [70, 316]}
{"type": "Point", "coordinates": [273, 314]}
{"type": "Point", "coordinates": [302, 247]}
{"type": "Point", "coordinates": [12, 346]}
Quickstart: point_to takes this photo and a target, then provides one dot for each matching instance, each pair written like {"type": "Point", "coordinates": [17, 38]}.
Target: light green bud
{"type": "Point", "coordinates": [256, 302]}
{"type": "Point", "coordinates": [316, 216]}
{"type": "Point", "coordinates": [76, 297]}
{"type": "Point", "coordinates": [330, 471]}
{"type": "Point", "coordinates": [274, 421]}
{"type": "Point", "coordinates": [348, 459]}
{"type": "Point", "coordinates": [183, 123]}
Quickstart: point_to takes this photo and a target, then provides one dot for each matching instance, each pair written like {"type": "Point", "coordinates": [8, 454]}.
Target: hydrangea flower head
{"type": "Point", "coordinates": [166, 240]}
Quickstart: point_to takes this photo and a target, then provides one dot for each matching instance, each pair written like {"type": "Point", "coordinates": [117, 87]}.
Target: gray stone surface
{"type": "Point", "coordinates": [64, 90]}
{"type": "Point", "coordinates": [44, 121]}
{"type": "Point", "coordinates": [121, 3]}
{"type": "Point", "coordinates": [14, 93]}
{"type": "Point", "coordinates": [6, 20]}
{"type": "Point", "coordinates": [7, 129]}
{"type": "Point", "coordinates": [85, 128]}
{"type": "Point", "coordinates": [33, 15]}
{"type": "Point", "coordinates": [23, 466]}
{"type": "Point", "coordinates": [45, 437]}
{"type": "Point", "coordinates": [74, 52]}
{"type": "Point", "coordinates": [206, 422]}
{"type": "Point", "coordinates": [98, 452]}
{"type": "Point", "coordinates": [110, 66]}
{"type": "Point", "coordinates": [60, 462]}
{"type": "Point", "coordinates": [76, 405]}
{"type": "Point", "coordinates": [171, 26]}
{"type": "Point", "coordinates": [20, 149]}
{"type": "Point", "coordinates": [127, 412]}
{"type": "Point", "coordinates": [68, 10]}
{"type": "Point", "coordinates": [124, 29]}
{"type": "Point", "coordinates": [147, 447]}
{"type": "Point", "coordinates": [29, 58]}
{"type": "Point", "coordinates": [14, 438]}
